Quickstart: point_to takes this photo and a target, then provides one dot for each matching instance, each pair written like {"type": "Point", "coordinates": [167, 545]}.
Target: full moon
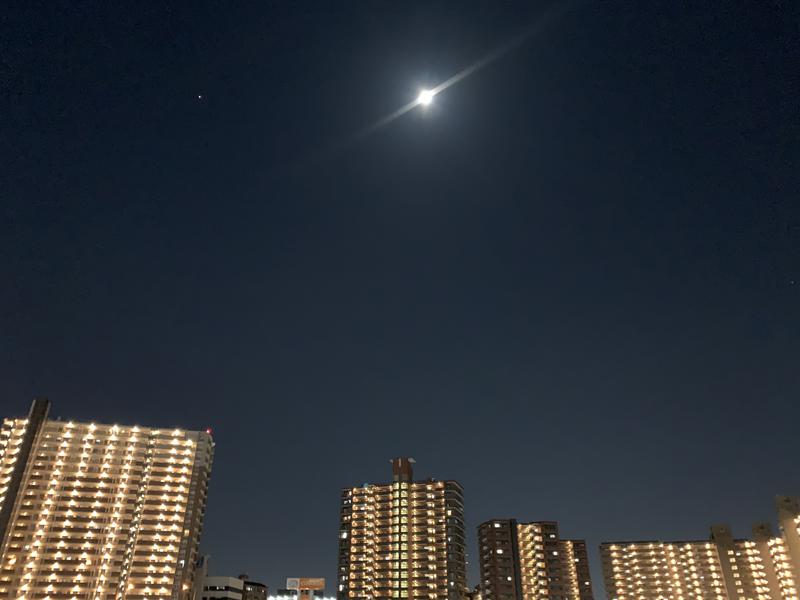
{"type": "Point", "coordinates": [425, 97]}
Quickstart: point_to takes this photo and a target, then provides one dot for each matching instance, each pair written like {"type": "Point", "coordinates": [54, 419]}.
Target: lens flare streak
{"type": "Point", "coordinates": [426, 96]}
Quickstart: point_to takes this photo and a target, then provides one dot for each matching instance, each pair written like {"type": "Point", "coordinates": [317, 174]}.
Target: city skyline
{"type": "Point", "coordinates": [514, 557]}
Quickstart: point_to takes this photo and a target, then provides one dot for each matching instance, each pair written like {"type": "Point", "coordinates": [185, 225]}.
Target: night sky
{"type": "Point", "coordinates": [572, 284]}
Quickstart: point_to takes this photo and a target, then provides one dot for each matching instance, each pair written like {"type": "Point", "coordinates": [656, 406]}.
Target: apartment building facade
{"type": "Point", "coordinates": [100, 512]}
{"type": "Point", "coordinates": [530, 561]}
{"type": "Point", "coordinates": [764, 567]}
{"type": "Point", "coordinates": [403, 539]}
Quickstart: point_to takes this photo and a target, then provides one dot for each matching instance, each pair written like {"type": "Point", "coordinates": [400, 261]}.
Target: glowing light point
{"type": "Point", "coordinates": [425, 97]}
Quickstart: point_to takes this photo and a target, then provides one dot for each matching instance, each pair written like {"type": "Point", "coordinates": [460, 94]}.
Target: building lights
{"type": "Point", "coordinates": [85, 476]}
{"type": "Point", "coordinates": [387, 549]}
{"type": "Point", "coordinates": [750, 569]}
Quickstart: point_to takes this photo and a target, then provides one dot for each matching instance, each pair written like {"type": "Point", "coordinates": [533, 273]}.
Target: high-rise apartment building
{"type": "Point", "coordinates": [765, 567]}
{"type": "Point", "coordinates": [403, 539]}
{"type": "Point", "coordinates": [530, 561]}
{"type": "Point", "coordinates": [99, 512]}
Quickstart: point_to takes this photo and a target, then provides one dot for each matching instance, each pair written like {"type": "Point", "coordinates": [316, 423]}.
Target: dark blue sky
{"type": "Point", "coordinates": [573, 284]}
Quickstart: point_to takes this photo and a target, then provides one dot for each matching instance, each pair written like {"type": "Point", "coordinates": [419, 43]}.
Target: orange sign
{"type": "Point", "coordinates": [305, 583]}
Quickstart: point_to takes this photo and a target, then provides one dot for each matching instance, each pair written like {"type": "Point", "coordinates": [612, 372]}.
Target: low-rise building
{"type": "Point", "coordinates": [253, 590]}
{"type": "Point", "coordinates": [222, 588]}
{"type": "Point", "coordinates": [212, 587]}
